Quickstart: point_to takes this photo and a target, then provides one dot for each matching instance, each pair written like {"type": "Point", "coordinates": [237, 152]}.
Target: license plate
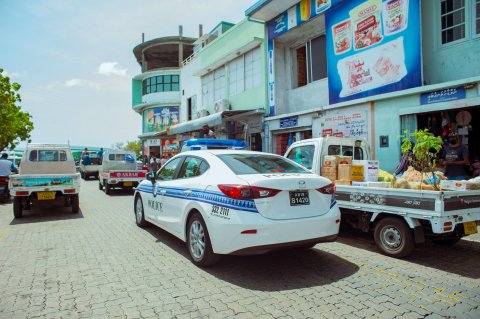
{"type": "Point", "coordinates": [470, 228]}
{"type": "Point", "coordinates": [298, 198]}
{"type": "Point", "coordinates": [45, 195]}
{"type": "Point", "coordinates": [127, 184]}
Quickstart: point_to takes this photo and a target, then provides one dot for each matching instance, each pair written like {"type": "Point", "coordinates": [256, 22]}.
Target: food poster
{"type": "Point", "coordinates": [373, 47]}
{"type": "Point", "coordinates": [160, 118]}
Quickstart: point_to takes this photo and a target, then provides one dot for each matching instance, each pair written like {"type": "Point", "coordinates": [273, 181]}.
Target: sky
{"type": "Point", "coordinates": [74, 59]}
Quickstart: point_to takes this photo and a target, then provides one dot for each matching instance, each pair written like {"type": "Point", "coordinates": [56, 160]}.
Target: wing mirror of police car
{"type": "Point", "coordinates": [151, 176]}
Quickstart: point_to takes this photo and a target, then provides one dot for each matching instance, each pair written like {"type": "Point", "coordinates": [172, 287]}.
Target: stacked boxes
{"type": "Point", "coordinates": [365, 170]}
{"type": "Point", "coordinates": [329, 167]}
{"type": "Point", "coordinates": [337, 169]}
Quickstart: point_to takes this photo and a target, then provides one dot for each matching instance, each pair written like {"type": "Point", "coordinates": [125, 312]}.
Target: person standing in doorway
{"type": "Point", "coordinates": [455, 158]}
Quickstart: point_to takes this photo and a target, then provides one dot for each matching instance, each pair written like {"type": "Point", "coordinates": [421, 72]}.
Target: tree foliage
{"type": "Point", "coordinates": [425, 149]}
{"type": "Point", "coordinates": [15, 125]}
{"type": "Point", "coordinates": [134, 146]}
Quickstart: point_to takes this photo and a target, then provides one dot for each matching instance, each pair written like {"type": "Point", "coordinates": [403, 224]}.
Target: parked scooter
{"type": "Point", "coordinates": [4, 191]}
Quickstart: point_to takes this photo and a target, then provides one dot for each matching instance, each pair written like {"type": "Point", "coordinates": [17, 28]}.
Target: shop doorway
{"type": "Point", "coordinates": [465, 121]}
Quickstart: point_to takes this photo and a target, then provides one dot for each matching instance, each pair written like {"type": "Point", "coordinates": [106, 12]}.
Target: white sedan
{"type": "Point", "coordinates": [237, 202]}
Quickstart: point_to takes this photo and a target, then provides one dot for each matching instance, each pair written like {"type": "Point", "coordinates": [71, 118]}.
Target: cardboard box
{"type": "Point", "coordinates": [370, 170]}
{"type": "Point", "coordinates": [344, 172]}
{"type": "Point", "coordinates": [329, 170]}
{"type": "Point", "coordinates": [379, 184]}
{"type": "Point", "coordinates": [330, 177]}
{"type": "Point", "coordinates": [329, 161]}
{"type": "Point", "coordinates": [361, 184]}
{"type": "Point", "coordinates": [358, 173]}
{"type": "Point", "coordinates": [344, 160]}
{"type": "Point", "coordinates": [458, 185]}
{"type": "Point", "coordinates": [340, 182]}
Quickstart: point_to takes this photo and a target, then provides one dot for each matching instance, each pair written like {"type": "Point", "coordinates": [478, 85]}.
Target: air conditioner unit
{"type": "Point", "coordinates": [221, 105]}
{"type": "Point", "coordinates": [202, 113]}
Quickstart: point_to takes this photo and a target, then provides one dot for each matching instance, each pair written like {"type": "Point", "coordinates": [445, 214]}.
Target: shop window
{"type": "Point", "coordinates": [311, 61]}
{"type": "Point", "coordinates": [453, 20]}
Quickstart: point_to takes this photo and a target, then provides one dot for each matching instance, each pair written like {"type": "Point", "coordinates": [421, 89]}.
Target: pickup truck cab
{"type": "Point", "coordinates": [90, 169]}
{"type": "Point", "coordinates": [47, 174]}
{"type": "Point", "coordinates": [398, 218]}
{"type": "Point", "coordinates": [119, 170]}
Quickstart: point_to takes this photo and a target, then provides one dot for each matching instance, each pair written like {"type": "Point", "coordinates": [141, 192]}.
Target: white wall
{"type": "Point", "coordinates": [190, 85]}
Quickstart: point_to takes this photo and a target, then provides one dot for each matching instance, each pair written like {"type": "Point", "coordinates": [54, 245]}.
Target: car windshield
{"type": "Point", "coordinates": [244, 164]}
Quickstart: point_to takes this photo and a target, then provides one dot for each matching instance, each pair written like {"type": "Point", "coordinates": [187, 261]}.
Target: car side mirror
{"type": "Point", "coordinates": [151, 177]}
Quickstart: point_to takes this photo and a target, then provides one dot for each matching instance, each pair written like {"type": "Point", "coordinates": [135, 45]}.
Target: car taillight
{"type": "Point", "coordinates": [69, 191]}
{"type": "Point", "coordinates": [3, 179]}
{"type": "Point", "coordinates": [247, 192]}
{"type": "Point", "coordinates": [327, 190]}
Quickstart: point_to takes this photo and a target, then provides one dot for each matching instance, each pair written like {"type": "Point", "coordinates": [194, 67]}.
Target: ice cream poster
{"type": "Point", "coordinates": [160, 118]}
{"type": "Point", "coordinates": [373, 47]}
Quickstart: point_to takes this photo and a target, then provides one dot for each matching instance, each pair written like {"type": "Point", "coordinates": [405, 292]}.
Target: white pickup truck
{"type": "Point", "coordinates": [47, 174]}
{"type": "Point", "coordinates": [398, 218]}
{"type": "Point", "coordinates": [91, 169]}
{"type": "Point", "coordinates": [119, 170]}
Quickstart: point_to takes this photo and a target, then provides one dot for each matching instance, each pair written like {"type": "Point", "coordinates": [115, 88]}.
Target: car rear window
{"type": "Point", "coordinates": [47, 156]}
{"type": "Point", "coordinates": [244, 164]}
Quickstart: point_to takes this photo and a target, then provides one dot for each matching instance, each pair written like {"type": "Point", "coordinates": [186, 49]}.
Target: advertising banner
{"type": "Point", "coordinates": [373, 47]}
{"type": "Point", "coordinates": [160, 118]}
{"type": "Point", "coordinates": [346, 124]}
{"type": "Point", "coordinates": [42, 181]}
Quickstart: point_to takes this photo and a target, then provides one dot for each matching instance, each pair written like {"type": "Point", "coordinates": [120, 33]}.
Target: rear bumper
{"type": "Point", "coordinates": [227, 238]}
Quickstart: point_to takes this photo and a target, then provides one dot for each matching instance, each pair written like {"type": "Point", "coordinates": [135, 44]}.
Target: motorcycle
{"type": "Point", "coordinates": [4, 191]}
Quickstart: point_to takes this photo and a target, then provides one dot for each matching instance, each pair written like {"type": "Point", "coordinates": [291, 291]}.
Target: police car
{"type": "Point", "coordinates": [237, 202]}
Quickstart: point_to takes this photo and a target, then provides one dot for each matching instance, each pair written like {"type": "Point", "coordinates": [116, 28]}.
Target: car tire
{"type": "Point", "coordinates": [394, 237]}
{"type": "Point", "coordinates": [139, 212]}
{"type": "Point", "coordinates": [198, 242]}
{"type": "Point", "coordinates": [107, 188]}
{"type": "Point", "coordinates": [17, 207]}
{"type": "Point", "coordinates": [75, 202]}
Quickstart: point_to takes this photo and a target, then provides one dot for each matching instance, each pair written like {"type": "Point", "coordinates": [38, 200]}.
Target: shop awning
{"type": "Point", "coordinates": [266, 10]}
{"type": "Point", "coordinates": [211, 120]}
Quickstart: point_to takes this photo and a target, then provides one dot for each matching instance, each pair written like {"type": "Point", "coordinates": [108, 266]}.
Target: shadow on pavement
{"type": "Point", "coordinates": [461, 259]}
{"type": "Point", "coordinates": [41, 214]}
{"type": "Point", "coordinates": [279, 270]}
{"type": "Point", "coordinates": [120, 192]}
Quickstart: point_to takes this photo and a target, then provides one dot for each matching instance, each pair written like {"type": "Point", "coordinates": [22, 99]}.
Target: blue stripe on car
{"type": "Point", "coordinates": [214, 198]}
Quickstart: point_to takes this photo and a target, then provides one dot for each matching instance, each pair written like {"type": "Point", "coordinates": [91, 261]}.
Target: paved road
{"type": "Point", "coordinates": [99, 264]}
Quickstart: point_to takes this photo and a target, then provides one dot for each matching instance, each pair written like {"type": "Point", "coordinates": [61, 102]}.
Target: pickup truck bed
{"type": "Point", "coordinates": [439, 215]}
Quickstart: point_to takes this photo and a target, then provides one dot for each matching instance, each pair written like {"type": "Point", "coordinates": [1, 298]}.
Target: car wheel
{"type": "Point", "coordinates": [107, 188]}
{"type": "Point", "coordinates": [139, 212]}
{"type": "Point", "coordinates": [394, 237]}
{"type": "Point", "coordinates": [75, 201]}
{"type": "Point", "coordinates": [198, 242]}
{"type": "Point", "coordinates": [17, 207]}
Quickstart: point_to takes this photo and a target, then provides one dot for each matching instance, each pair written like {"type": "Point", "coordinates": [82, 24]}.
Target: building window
{"type": "Point", "coordinates": [245, 72]}
{"type": "Point", "coordinates": [453, 20]}
{"type": "Point", "coordinates": [311, 61]}
{"type": "Point", "coordinates": [161, 83]}
{"type": "Point", "coordinates": [207, 89]}
{"type": "Point", "coordinates": [477, 16]}
{"type": "Point", "coordinates": [219, 84]}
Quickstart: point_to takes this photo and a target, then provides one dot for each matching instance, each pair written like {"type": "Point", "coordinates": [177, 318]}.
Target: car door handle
{"type": "Point", "coordinates": [187, 192]}
{"type": "Point", "coordinates": [163, 191]}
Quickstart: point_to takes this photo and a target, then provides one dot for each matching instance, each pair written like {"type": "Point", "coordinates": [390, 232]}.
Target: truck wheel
{"type": "Point", "coordinates": [75, 201]}
{"type": "Point", "coordinates": [394, 237]}
{"type": "Point", "coordinates": [198, 242]}
{"type": "Point", "coordinates": [17, 207]}
{"type": "Point", "coordinates": [107, 188]}
{"type": "Point", "coordinates": [100, 186]}
{"type": "Point", "coordinates": [139, 212]}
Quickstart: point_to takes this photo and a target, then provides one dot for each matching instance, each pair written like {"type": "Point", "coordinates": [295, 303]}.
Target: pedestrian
{"type": "Point", "coordinates": [455, 158]}
{"type": "Point", "coordinates": [153, 164]}
{"type": "Point", "coordinates": [406, 161]}
{"type": "Point", "coordinates": [85, 151]}
{"type": "Point", "coordinates": [163, 160]}
{"type": "Point", "coordinates": [206, 132]}
{"type": "Point", "coordinates": [100, 155]}
{"type": "Point", "coordinates": [7, 167]}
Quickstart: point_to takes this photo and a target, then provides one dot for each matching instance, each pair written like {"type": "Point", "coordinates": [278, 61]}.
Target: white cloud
{"type": "Point", "coordinates": [111, 68]}
{"type": "Point", "coordinates": [11, 75]}
{"type": "Point", "coordinates": [76, 82]}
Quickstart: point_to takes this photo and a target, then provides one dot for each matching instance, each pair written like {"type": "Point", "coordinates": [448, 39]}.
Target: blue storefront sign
{"type": "Point", "coordinates": [373, 47]}
{"type": "Point", "coordinates": [449, 94]}
{"type": "Point", "coordinates": [287, 122]}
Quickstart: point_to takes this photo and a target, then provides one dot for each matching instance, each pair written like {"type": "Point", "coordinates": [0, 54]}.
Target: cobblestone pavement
{"type": "Point", "coordinates": [99, 264]}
